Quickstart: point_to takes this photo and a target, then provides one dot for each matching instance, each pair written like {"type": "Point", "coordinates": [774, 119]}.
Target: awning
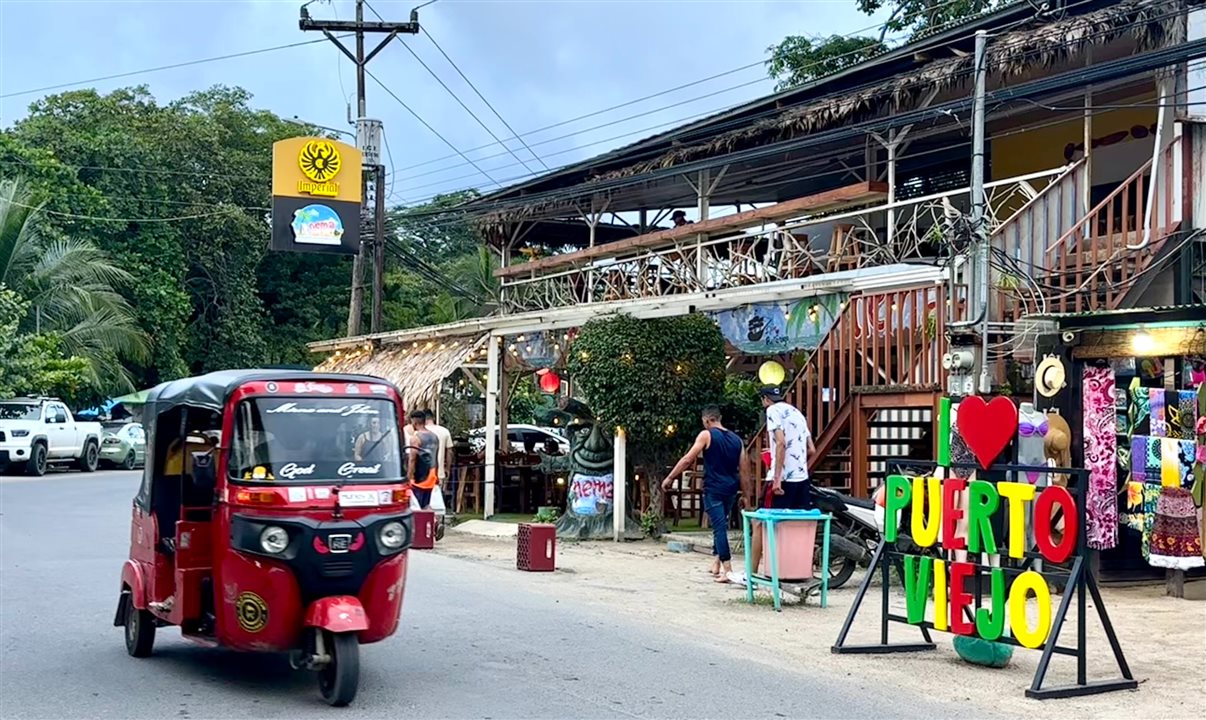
{"type": "Point", "coordinates": [416, 369]}
{"type": "Point", "coordinates": [134, 398]}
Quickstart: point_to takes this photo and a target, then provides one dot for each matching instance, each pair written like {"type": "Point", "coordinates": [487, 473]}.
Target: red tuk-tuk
{"type": "Point", "coordinates": [273, 515]}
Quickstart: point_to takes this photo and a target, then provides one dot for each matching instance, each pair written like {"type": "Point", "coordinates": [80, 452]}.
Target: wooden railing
{"type": "Point", "coordinates": [1019, 244]}
{"type": "Point", "coordinates": [1094, 262]}
{"type": "Point", "coordinates": [880, 341]}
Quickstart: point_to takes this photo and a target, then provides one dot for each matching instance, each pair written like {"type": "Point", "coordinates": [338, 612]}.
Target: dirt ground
{"type": "Point", "coordinates": [1164, 639]}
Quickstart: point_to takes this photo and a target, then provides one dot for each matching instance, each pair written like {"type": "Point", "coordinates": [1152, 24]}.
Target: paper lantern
{"type": "Point", "coordinates": [771, 373]}
{"type": "Point", "coordinates": [550, 382]}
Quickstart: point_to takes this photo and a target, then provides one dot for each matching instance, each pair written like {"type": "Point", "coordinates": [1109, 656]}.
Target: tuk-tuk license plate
{"type": "Point", "coordinates": [359, 498]}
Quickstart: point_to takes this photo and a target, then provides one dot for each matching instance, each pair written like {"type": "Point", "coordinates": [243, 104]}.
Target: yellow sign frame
{"type": "Point", "coordinates": [316, 167]}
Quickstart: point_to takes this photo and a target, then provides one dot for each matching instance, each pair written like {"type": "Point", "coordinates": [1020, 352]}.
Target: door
{"type": "Point", "coordinates": [60, 434]}
{"type": "Point", "coordinates": [138, 440]}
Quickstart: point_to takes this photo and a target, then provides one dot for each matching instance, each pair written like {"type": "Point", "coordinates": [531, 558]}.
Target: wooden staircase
{"type": "Point", "coordinates": [1096, 262]}
{"type": "Point", "coordinates": [883, 356]}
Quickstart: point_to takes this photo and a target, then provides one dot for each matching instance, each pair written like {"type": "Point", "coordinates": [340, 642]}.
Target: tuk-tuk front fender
{"type": "Point", "coordinates": [337, 614]}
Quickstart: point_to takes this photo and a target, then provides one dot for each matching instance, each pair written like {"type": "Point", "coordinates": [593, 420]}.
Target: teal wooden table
{"type": "Point", "coordinates": [772, 518]}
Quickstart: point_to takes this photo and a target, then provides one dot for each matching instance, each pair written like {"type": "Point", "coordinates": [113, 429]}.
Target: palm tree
{"type": "Point", "coordinates": [72, 290]}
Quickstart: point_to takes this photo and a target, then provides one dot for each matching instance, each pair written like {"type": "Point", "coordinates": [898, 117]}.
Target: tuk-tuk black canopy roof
{"type": "Point", "coordinates": [210, 391]}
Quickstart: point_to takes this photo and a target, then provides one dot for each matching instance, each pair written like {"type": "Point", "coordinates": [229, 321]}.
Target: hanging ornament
{"type": "Point", "coordinates": [771, 373]}
{"type": "Point", "coordinates": [550, 382]}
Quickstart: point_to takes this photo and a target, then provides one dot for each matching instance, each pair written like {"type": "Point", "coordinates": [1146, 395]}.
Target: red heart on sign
{"type": "Point", "coordinates": [987, 427]}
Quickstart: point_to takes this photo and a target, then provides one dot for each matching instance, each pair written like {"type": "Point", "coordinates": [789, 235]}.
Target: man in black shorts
{"type": "Point", "coordinates": [788, 485]}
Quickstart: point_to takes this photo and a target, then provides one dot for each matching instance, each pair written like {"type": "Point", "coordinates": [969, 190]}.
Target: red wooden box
{"type": "Point", "coordinates": [537, 547]}
{"type": "Point", "coordinates": [425, 530]}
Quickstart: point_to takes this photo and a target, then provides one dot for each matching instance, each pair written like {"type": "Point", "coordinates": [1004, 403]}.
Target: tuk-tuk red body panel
{"type": "Point", "coordinates": [303, 535]}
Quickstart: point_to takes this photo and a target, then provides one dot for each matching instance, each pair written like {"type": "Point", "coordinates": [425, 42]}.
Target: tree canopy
{"type": "Point", "coordinates": [174, 198]}
{"type": "Point", "coordinates": [651, 377]}
{"type": "Point", "coordinates": [800, 58]}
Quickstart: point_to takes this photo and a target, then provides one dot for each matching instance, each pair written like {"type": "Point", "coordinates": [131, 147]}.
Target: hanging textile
{"type": "Point", "coordinates": [1156, 404]}
{"type": "Point", "coordinates": [1101, 450]}
{"type": "Point", "coordinates": [1175, 542]}
{"type": "Point", "coordinates": [1151, 496]}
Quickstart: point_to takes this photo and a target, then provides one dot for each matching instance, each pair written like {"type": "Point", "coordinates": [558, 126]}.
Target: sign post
{"type": "Point", "coordinates": [316, 196]}
{"type": "Point", "coordinates": [979, 582]}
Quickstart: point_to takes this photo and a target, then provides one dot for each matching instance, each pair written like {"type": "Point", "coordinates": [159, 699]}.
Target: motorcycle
{"type": "Point", "coordinates": [854, 533]}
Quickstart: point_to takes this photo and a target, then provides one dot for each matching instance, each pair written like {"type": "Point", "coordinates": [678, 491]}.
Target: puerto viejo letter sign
{"type": "Point", "coordinates": [317, 191]}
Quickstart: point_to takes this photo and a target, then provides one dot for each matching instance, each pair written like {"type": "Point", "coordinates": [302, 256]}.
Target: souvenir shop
{"type": "Point", "coordinates": [1131, 387]}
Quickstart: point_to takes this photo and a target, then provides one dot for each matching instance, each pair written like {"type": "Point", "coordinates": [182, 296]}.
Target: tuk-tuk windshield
{"type": "Point", "coordinates": [315, 440]}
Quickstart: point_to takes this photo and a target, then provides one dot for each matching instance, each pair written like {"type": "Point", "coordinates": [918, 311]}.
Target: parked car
{"type": "Point", "coordinates": [38, 432]}
{"type": "Point", "coordinates": [523, 437]}
{"type": "Point", "coordinates": [124, 445]}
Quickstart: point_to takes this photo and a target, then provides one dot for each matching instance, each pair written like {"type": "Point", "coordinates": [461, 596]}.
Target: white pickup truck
{"type": "Point", "coordinates": [38, 432]}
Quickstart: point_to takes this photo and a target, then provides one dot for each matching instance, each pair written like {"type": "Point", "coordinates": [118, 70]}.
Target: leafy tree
{"type": "Point", "coordinates": [34, 364]}
{"type": "Point", "coordinates": [70, 288]}
{"type": "Point", "coordinates": [800, 58]}
{"type": "Point", "coordinates": [651, 377]}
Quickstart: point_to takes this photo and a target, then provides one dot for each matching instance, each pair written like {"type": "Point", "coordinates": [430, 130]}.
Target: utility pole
{"type": "Point", "coordinates": [979, 228]}
{"type": "Point", "coordinates": [368, 134]}
{"type": "Point", "coordinates": [961, 361]}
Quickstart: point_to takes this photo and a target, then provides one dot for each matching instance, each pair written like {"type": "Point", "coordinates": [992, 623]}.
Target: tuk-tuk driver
{"type": "Point", "coordinates": [369, 445]}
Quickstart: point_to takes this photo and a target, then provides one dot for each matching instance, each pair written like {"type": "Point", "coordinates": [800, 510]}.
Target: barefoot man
{"type": "Point", "coordinates": [724, 459]}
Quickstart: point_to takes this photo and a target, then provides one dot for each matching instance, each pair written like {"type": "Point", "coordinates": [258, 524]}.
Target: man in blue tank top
{"type": "Point", "coordinates": [724, 478]}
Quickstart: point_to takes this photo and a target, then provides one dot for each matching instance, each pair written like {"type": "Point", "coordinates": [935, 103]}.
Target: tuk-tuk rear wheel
{"type": "Point", "coordinates": [140, 630]}
{"type": "Point", "coordinates": [339, 679]}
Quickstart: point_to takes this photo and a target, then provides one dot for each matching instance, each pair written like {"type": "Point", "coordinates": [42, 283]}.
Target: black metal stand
{"type": "Point", "coordinates": [1081, 583]}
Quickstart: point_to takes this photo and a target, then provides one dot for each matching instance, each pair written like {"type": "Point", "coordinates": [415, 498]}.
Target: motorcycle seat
{"type": "Point", "coordinates": [866, 503]}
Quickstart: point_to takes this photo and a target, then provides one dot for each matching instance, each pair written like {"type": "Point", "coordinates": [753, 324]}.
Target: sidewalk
{"type": "Point", "coordinates": [1163, 638]}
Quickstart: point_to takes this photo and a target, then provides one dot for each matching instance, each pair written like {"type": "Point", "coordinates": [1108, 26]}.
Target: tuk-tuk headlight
{"type": "Point", "coordinates": [392, 535]}
{"type": "Point", "coordinates": [274, 540]}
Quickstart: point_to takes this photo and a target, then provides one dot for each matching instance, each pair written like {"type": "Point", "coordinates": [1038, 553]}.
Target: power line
{"type": "Point", "coordinates": [483, 98]}
{"type": "Point", "coordinates": [742, 68]}
{"type": "Point", "coordinates": [460, 102]}
{"type": "Point", "coordinates": [1117, 68]}
{"type": "Point", "coordinates": [173, 66]}
{"type": "Point", "coordinates": [455, 96]}
{"type": "Point", "coordinates": [711, 129]}
{"type": "Point", "coordinates": [427, 125]}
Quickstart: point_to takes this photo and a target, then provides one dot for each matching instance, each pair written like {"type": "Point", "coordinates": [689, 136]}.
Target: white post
{"type": "Point", "coordinates": [619, 494]}
{"type": "Point", "coordinates": [493, 366]}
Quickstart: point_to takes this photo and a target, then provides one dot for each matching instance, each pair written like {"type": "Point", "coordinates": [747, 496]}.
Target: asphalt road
{"type": "Point", "coordinates": [471, 646]}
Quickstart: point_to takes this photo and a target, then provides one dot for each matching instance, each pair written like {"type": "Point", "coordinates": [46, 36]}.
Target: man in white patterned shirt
{"type": "Point", "coordinates": [790, 444]}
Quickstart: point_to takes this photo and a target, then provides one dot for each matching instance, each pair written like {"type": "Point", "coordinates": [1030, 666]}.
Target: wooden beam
{"type": "Point", "coordinates": [1107, 344]}
{"type": "Point", "coordinates": [829, 200]}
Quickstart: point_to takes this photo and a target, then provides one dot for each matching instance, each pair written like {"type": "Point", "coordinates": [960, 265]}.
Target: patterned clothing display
{"type": "Point", "coordinates": [960, 453]}
{"type": "Point", "coordinates": [1100, 452]}
{"type": "Point", "coordinates": [1187, 415]}
{"type": "Point", "coordinates": [1139, 458]}
{"type": "Point", "coordinates": [1156, 406]}
{"type": "Point", "coordinates": [1175, 542]}
{"type": "Point", "coordinates": [1170, 463]}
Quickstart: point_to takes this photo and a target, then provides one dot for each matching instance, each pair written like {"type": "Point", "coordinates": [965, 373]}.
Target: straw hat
{"type": "Point", "coordinates": [1050, 376]}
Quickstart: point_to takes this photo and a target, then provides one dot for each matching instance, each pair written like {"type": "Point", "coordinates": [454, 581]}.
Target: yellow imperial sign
{"type": "Point", "coordinates": [319, 161]}
{"type": "Point", "coordinates": [309, 167]}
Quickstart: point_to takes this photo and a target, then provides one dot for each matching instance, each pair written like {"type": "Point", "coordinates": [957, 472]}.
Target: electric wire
{"type": "Point", "coordinates": [628, 103]}
{"type": "Point", "coordinates": [173, 66]}
{"type": "Point", "coordinates": [456, 97]}
{"type": "Point", "coordinates": [712, 129]}
{"type": "Point", "coordinates": [427, 125]}
{"type": "Point", "coordinates": [1125, 67]}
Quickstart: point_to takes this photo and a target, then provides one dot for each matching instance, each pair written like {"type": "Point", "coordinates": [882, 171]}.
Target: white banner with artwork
{"type": "Point", "coordinates": [591, 494]}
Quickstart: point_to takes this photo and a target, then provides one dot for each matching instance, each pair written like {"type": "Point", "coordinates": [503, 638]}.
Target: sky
{"type": "Point", "coordinates": [539, 63]}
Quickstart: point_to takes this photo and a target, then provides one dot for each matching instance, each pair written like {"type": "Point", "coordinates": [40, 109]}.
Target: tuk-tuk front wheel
{"type": "Point", "coordinates": [140, 630]}
{"type": "Point", "coordinates": [339, 679]}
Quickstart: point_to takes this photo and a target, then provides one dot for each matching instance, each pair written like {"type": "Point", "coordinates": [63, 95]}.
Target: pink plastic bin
{"type": "Point", "coordinates": [794, 541]}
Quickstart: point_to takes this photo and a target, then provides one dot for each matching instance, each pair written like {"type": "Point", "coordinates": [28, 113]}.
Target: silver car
{"type": "Point", "coordinates": [124, 446]}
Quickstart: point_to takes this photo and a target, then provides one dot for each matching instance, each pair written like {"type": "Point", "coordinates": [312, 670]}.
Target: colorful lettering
{"type": "Point", "coordinates": [927, 510]}
{"type": "Point", "coordinates": [917, 586]}
{"type": "Point", "coordinates": [1017, 494]}
{"type": "Point", "coordinates": [982, 503]}
{"type": "Point", "coordinates": [1026, 584]}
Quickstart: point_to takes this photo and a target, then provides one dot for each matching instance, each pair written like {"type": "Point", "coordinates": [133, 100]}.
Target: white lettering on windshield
{"type": "Point", "coordinates": [293, 470]}
{"type": "Point", "coordinates": [292, 408]}
{"type": "Point", "coordinates": [350, 469]}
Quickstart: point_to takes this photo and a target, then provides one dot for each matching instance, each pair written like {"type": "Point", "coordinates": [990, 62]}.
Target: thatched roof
{"type": "Point", "coordinates": [1020, 52]}
{"type": "Point", "coordinates": [415, 369]}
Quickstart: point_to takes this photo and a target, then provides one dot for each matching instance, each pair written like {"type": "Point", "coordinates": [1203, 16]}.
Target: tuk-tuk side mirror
{"type": "Point", "coordinates": [204, 477]}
